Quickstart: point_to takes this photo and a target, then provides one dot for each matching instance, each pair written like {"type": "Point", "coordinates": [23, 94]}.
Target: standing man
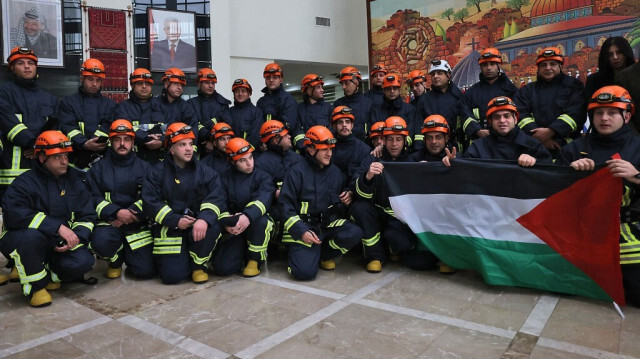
{"type": "Point", "coordinates": [145, 116]}
{"type": "Point", "coordinates": [360, 105]}
{"type": "Point", "coordinates": [48, 216]}
{"type": "Point", "coordinates": [86, 115]}
{"type": "Point", "coordinates": [493, 83]}
{"type": "Point", "coordinates": [209, 106]}
{"type": "Point", "coordinates": [552, 109]}
{"type": "Point", "coordinates": [32, 32]}
{"type": "Point", "coordinates": [316, 228]}
{"type": "Point", "coordinates": [245, 116]}
{"type": "Point", "coordinates": [372, 211]}
{"type": "Point", "coordinates": [25, 112]}
{"type": "Point", "coordinates": [174, 108]}
{"type": "Point", "coordinates": [376, 79]}
{"type": "Point", "coordinates": [173, 52]}
{"type": "Point", "coordinates": [276, 103]}
{"type": "Point", "coordinates": [444, 97]}
{"type": "Point", "coordinates": [313, 110]}
{"type": "Point", "coordinates": [122, 233]}
{"type": "Point", "coordinates": [249, 193]}
{"type": "Point", "coordinates": [221, 134]}
{"type": "Point", "coordinates": [417, 83]}
{"type": "Point", "coordinates": [185, 198]}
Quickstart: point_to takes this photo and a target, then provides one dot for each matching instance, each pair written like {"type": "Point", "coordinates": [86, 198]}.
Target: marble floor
{"type": "Point", "coordinates": [345, 313]}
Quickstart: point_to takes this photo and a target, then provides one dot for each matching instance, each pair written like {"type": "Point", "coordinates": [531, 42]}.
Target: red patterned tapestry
{"type": "Point", "coordinates": [107, 29]}
{"type": "Point", "coordinates": [115, 64]}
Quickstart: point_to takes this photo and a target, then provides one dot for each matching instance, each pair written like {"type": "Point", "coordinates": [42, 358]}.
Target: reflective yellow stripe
{"type": "Point", "coordinates": [223, 215]}
{"type": "Point", "coordinates": [101, 206]}
{"type": "Point", "coordinates": [162, 213]}
{"type": "Point", "coordinates": [626, 197]}
{"type": "Point", "coordinates": [336, 223]}
{"type": "Point", "coordinates": [525, 121]}
{"type": "Point", "coordinates": [15, 130]}
{"type": "Point", "coordinates": [387, 210]}
{"type": "Point", "coordinates": [214, 120]}
{"type": "Point", "coordinates": [419, 137]}
{"type": "Point", "coordinates": [37, 220]}
{"type": "Point", "coordinates": [199, 260]}
{"type": "Point", "coordinates": [625, 232]}
{"type": "Point", "coordinates": [166, 250]}
{"type": "Point", "coordinates": [476, 112]}
{"type": "Point", "coordinates": [286, 238]}
{"type": "Point", "coordinates": [629, 247]}
{"type": "Point", "coordinates": [290, 222]}
{"type": "Point", "coordinates": [26, 280]}
{"type": "Point", "coordinates": [334, 245]}
{"type": "Point", "coordinates": [165, 244]}
{"type": "Point", "coordinates": [211, 206]}
{"type": "Point", "coordinates": [260, 206]}
{"type": "Point", "coordinates": [73, 133]}
{"type": "Point", "coordinates": [81, 126]}
{"type": "Point", "coordinates": [139, 240]}
{"type": "Point", "coordinates": [298, 138]}
{"type": "Point", "coordinates": [304, 207]}
{"type": "Point", "coordinates": [361, 193]}
{"type": "Point", "coordinates": [138, 204]}
{"type": "Point", "coordinates": [100, 134]}
{"type": "Point", "coordinates": [268, 117]}
{"type": "Point", "coordinates": [368, 242]}
{"type": "Point", "coordinates": [262, 249]}
{"type": "Point", "coordinates": [569, 121]}
{"type": "Point", "coordinates": [467, 123]}
{"type": "Point", "coordinates": [88, 225]}
{"type": "Point", "coordinates": [107, 196]}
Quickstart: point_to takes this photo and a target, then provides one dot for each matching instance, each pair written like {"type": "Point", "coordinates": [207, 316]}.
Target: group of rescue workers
{"type": "Point", "coordinates": [178, 189]}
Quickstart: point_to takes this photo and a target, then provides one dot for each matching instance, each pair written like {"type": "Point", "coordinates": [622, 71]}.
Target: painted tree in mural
{"type": "Point", "coordinates": [461, 14]}
{"type": "Point", "coordinates": [517, 4]}
{"type": "Point", "coordinates": [634, 35]}
{"type": "Point", "coordinates": [476, 3]}
{"type": "Point", "coordinates": [447, 14]}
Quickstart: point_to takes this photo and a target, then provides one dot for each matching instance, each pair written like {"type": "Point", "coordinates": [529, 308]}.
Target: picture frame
{"type": "Point", "coordinates": [36, 24]}
{"type": "Point", "coordinates": [172, 40]}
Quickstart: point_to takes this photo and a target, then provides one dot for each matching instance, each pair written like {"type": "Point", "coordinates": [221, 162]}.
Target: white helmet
{"type": "Point", "coordinates": [440, 65]}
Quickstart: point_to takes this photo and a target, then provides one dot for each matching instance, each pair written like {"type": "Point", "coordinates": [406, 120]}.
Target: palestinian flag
{"type": "Point", "coordinates": [547, 227]}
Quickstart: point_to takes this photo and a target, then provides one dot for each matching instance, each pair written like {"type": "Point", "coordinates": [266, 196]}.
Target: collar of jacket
{"type": "Point", "coordinates": [615, 139]}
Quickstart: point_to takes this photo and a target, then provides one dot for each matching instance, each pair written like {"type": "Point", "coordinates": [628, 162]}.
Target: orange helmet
{"type": "Point", "coordinates": [272, 69]}
{"type": "Point", "coordinates": [435, 123]}
{"type": "Point", "coordinates": [238, 147]}
{"type": "Point", "coordinates": [21, 53]}
{"type": "Point", "coordinates": [52, 142]}
{"type": "Point", "coordinates": [391, 80]}
{"type": "Point", "coordinates": [416, 76]}
{"type": "Point", "coordinates": [311, 80]}
{"type": "Point", "coordinates": [92, 67]}
{"type": "Point", "coordinates": [141, 75]}
{"type": "Point", "coordinates": [272, 128]}
{"type": "Point", "coordinates": [238, 83]}
{"type": "Point", "coordinates": [121, 127]}
{"type": "Point", "coordinates": [174, 75]}
{"type": "Point", "coordinates": [320, 138]}
{"type": "Point", "coordinates": [395, 125]}
{"type": "Point", "coordinates": [501, 103]}
{"type": "Point", "coordinates": [221, 129]}
{"type": "Point", "coordinates": [612, 96]}
{"type": "Point", "coordinates": [207, 74]}
{"type": "Point", "coordinates": [342, 112]}
{"type": "Point", "coordinates": [550, 53]}
{"type": "Point", "coordinates": [349, 73]}
{"type": "Point", "coordinates": [377, 129]}
{"type": "Point", "coordinates": [379, 67]}
{"type": "Point", "coordinates": [178, 131]}
{"type": "Point", "coordinates": [490, 54]}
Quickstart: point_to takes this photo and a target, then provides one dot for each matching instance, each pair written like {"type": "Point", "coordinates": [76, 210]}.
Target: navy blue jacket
{"type": "Point", "coordinates": [311, 114]}
{"type": "Point", "coordinates": [209, 110]}
{"type": "Point", "coordinates": [558, 105]}
{"type": "Point", "coordinates": [246, 120]}
{"type": "Point", "coordinates": [250, 194]}
{"type": "Point", "coordinates": [376, 190]}
{"type": "Point", "coordinates": [376, 95]}
{"type": "Point", "coordinates": [217, 160]}
{"type": "Point", "coordinates": [361, 107]}
{"type": "Point", "coordinates": [445, 104]}
{"type": "Point", "coordinates": [146, 118]}
{"type": "Point", "coordinates": [348, 155]}
{"type": "Point", "coordinates": [277, 164]}
{"type": "Point", "coordinates": [83, 116]}
{"type": "Point", "coordinates": [400, 108]}
{"type": "Point", "coordinates": [279, 105]}
{"type": "Point", "coordinates": [473, 105]}
{"type": "Point", "coordinates": [509, 147]}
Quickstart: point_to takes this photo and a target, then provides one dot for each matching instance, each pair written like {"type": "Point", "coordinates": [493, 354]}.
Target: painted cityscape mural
{"type": "Point", "coordinates": [406, 35]}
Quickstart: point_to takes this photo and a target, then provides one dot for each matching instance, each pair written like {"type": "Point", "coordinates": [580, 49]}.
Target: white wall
{"type": "Point", "coordinates": [248, 34]}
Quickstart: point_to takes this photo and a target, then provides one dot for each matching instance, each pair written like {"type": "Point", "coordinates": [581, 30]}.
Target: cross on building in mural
{"type": "Point", "coordinates": [473, 44]}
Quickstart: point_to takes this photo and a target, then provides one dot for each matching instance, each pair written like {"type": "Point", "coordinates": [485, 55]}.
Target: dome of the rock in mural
{"type": "Point", "coordinates": [467, 71]}
{"type": "Point", "coordinates": [545, 7]}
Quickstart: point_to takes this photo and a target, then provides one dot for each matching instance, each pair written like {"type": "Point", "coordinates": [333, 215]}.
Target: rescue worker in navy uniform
{"type": "Point", "coordinates": [417, 82]}
{"type": "Point", "coordinates": [552, 109]}
{"type": "Point", "coordinates": [246, 118]}
{"type": "Point", "coordinates": [122, 233]}
{"type": "Point", "coordinates": [610, 110]}
{"type": "Point", "coordinates": [315, 226]}
{"type": "Point", "coordinates": [86, 115]}
{"type": "Point", "coordinates": [48, 217]}
{"type": "Point", "coordinates": [170, 101]}
{"type": "Point", "coordinates": [221, 134]}
{"type": "Point", "coordinates": [376, 78]}
{"type": "Point", "coordinates": [493, 83]}
{"type": "Point", "coordinates": [249, 193]}
{"type": "Point", "coordinates": [145, 116]}
{"type": "Point", "coordinates": [372, 211]}
{"type": "Point", "coordinates": [376, 137]}
{"type": "Point", "coordinates": [209, 106]}
{"type": "Point", "coordinates": [394, 105]}
{"type": "Point", "coordinates": [25, 112]}
{"type": "Point", "coordinates": [185, 198]}
{"type": "Point", "coordinates": [313, 110]}
{"type": "Point", "coordinates": [349, 152]}
{"type": "Point", "coordinates": [443, 99]}
{"type": "Point", "coordinates": [505, 141]}
{"type": "Point", "coordinates": [435, 130]}
{"type": "Point", "coordinates": [276, 102]}
{"type": "Point", "coordinates": [360, 105]}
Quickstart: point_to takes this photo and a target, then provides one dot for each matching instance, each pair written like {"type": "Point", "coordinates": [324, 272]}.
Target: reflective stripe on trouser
{"type": "Point", "coordinates": [7, 175]}
{"type": "Point", "coordinates": [116, 245]}
{"type": "Point", "coordinates": [258, 237]}
{"type": "Point", "coordinates": [179, 242]}
{"type": "Point", "coordinates": [36, 260]}
{"type": "Point", "coordinates": [629, 243]}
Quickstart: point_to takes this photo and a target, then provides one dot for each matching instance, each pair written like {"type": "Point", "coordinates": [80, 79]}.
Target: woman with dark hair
{"type": "Point", "coordinates": [615, 55]}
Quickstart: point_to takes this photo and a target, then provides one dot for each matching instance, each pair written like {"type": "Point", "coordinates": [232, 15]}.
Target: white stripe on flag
{"type": "Point", "coordinates": [467, 215]}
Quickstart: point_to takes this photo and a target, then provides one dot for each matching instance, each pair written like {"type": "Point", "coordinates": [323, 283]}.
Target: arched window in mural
{"type": "Point", "coordinates": [563, 50]}
{"type": "Point", "coordinates": [521, 52]}
{"type": "Point", "coordinates": [505, 57]}
{"type": "Point", "coordinates": [601, 41]}
{"type": "Point", "coordinates": [579, 45]}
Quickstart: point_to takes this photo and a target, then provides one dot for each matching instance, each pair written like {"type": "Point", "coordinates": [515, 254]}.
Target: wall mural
{"type": "Point", "coordinates": [406, 35]}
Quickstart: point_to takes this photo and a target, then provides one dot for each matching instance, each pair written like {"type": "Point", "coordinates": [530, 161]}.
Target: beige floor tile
{"type": "Point", "coordinates": [462, 343]}
{"type": "Point", "coordinates": [540, 352]}
{"type": "Point", "coordinates": [55, 349]}
{"type": "Point", "coordinates": [630, 344]}
{"type": "Point", "coordinates": [181, 318]}
{"type": "Point", "coordinates": [16, 329]}
{"type": "Point", "coordinates": [273, 318]}
{"type": "Point", "coordinates": [94, 339]}
{"type": "Point", "coordinates": [62, 314]}
{"type": "Point", "coordinates": [299, 348]}
{"type": "Point", "coordinates": [140, 346]}
{"type": "Point", "coordinates": [632, 321]}
{"type": "Point", "coordinates": [232, 337]}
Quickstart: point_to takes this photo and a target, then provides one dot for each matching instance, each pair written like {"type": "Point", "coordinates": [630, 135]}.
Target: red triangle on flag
{"type": "Point", "coordinates": [582, 224]}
